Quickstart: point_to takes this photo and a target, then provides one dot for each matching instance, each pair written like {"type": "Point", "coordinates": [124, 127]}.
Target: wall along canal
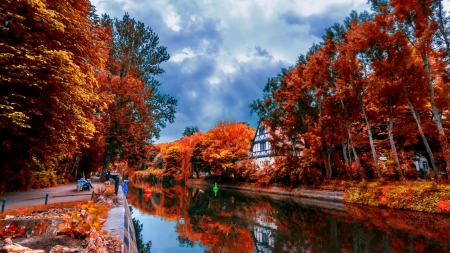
{"type": "Point", "coordinates": [182, 219]}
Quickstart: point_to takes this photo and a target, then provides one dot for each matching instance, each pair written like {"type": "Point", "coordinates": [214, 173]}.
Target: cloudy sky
{"type": "Point", "coordinates": [223, 51]}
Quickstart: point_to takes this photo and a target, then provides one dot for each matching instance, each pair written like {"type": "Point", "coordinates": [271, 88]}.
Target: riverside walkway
{"type": "Point", "coordinates": [16, 200]}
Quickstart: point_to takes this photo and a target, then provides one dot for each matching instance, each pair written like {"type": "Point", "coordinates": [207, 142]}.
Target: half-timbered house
{"type": "Point", "coordinates": [261, 147]}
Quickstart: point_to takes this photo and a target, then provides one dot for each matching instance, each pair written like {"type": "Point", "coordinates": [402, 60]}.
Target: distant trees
{"type": "Point", "coordinates": [216, 151]}
{"type": "Point", "coordinates": [190, 130]}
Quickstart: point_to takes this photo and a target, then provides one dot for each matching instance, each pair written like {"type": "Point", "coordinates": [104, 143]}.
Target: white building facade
{"type": "Point", "coordinates": [260, 148]}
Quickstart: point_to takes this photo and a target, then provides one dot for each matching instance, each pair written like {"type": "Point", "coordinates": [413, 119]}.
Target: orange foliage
{"type": "Point", "coordinates": [187, 145]}
{"type": "Point", "coordinates": [225, 144]}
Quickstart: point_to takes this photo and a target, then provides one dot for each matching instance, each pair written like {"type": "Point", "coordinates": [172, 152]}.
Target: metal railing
{"type": "Point", "coordinates": [46, 198]}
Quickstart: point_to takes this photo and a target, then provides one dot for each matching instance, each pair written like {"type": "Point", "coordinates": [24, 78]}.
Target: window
{"type": "Point", "coordinates": [262, 146]}
{"type": "Point", "coordinates": [425, 165]}
{"type": "Point", "coordinates": [261, 131]}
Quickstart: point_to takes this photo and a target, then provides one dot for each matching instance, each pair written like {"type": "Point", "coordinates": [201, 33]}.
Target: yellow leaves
{"type": "Point", "coordinates": [62, 228]}
{"type": "Point", "coordinates": [18, 118]}
{"type": "Point", "coordinates": [84, 220]}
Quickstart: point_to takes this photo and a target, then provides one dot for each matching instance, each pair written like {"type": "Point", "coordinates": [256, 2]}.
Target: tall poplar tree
{"type": "Point", "coordinates": [139, 111]}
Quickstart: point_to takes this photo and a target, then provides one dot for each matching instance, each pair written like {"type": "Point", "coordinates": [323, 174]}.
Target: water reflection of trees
{"type": "Point", "coordinates": [238, 223]}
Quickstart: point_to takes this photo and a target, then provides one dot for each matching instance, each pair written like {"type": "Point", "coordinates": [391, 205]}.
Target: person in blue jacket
{"type": "Point", "coordinates": [86, 183]}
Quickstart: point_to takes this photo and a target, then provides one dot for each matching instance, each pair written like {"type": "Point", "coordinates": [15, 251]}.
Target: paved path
{"type": "Point", "coordinates": [16, 200]}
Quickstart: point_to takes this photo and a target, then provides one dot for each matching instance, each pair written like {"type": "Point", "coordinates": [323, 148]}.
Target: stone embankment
{"type": "Point", "coordinates": [334, 196]}
{"type": "Point", "coordinates": [119, 223]}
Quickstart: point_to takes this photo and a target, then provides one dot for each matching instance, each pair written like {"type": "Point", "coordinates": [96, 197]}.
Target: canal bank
{"type": "Point", "coordinates": [422, 196]}
{"type": "Point", "coordinates": [119, 223]}
{"type": "Point", "coordinates": [334, 196]}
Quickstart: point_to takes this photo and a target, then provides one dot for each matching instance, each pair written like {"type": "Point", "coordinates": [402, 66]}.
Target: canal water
{"type": "Point", "coordinates": [182, 219]}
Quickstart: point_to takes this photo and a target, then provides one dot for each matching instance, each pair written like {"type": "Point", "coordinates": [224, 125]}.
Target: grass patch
{"type": "Point", "coordinates": [425, 196]}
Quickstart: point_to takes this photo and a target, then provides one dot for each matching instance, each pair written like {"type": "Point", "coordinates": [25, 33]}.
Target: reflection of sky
{"type": "Point", "coordinates": [163, 234]}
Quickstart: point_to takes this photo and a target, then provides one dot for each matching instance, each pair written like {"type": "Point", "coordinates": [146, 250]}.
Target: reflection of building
{"type": "Point", "coordinates": [264, 232]}
{"type": "Point", "coordinates": [263, 237]}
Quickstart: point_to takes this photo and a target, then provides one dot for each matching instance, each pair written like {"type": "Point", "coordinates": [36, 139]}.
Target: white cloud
{"type": "Point", "coordinates": [171, 19]}
{"type": "Point", "coordinates": [214, 80]}
{"type": "Point", "coordinates": [184, 54]}
{"type": "Point", "coordinates": [212, 46]}
{"type": "Point", "coordinates": [227, 69]}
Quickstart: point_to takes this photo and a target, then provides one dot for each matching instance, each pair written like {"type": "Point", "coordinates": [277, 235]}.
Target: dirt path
{"type": "Point", "coordinates": [16, 200]}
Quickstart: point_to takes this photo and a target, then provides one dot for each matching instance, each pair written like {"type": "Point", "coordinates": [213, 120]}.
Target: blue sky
{"type": "Point", "coordinates": [223, 51]}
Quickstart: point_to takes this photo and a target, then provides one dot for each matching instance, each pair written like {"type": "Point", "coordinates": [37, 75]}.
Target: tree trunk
{"type": "Point", "coordinates": [326, 159]}
{"type": "Point", "coordinates": [437, 117]}
{"type": "Point", "coordinates": [349, 152]}
{"type": "Point", "coordinates": [344, 146]}
{"type": "Point", "coordinates": [330, 168]}
{"type": "Point", "coordinates": [344, 152]}
{"type": "Point", "coordinates": [106, 159]}
{"type": "Point", "coordinates": [369, 132]}
{"type": "Point", "coordinates": [358, 163]}
{"type": "Point", "coordinates": [196, 172]}
{"type": "Point", "coordinates": [324, 145]}
{"type": "Point", "coordinates": [391, 140]}
{"type": "Point", "coordinates": [416, 116]}
{"type": "Point", "coordinates": [75, 167]}
{"type": "Point", "coordinates": [347, 125]}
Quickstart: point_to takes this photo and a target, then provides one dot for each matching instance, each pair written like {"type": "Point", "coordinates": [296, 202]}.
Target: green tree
{"type": "Point", "coordinates": [190, 130]}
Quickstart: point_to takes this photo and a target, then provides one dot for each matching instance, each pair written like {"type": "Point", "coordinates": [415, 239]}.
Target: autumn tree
{"type": "Point", "coordinates": [418, 21]}
{"type": "Point", "coordinates": [198, 164]}
{"type": "Point", "coordinates": [48, 81]}
{"type": "Point", "coordinates": [139, 110]}
{"type": "Point", "coordinates": [225, 144]}
{"type": "Point", "coordinates": [187, 147]}
{"type": "Point", "coordinates": [172, 161]}
{"type": "Point", "coordinates": [283, 115]}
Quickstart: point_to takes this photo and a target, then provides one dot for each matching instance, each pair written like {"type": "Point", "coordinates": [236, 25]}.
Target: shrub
{"type": "Point", "coordinates": [247, 170]}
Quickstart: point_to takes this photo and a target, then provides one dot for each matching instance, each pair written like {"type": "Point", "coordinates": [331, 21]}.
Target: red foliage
{"type": "Point", "coordinates": [12, 231]}
{"type": "Point", "coordinates": [444, 206]}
